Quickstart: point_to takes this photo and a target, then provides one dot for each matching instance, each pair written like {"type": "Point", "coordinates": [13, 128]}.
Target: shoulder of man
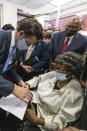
{"type": "Point", "coordinates": [42, 43]}
{"type": "Point", "coordinates": [5, 34]}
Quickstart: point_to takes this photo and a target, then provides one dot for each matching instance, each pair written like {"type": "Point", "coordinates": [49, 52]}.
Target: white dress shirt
{"type": "Point", "coordinates": [70, 40]}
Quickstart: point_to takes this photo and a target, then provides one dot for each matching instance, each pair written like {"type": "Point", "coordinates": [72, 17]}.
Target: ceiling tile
{"type": "Point", "coordinates": [19, 1]}
{"type": "Point", "coordinates": [32, 4]}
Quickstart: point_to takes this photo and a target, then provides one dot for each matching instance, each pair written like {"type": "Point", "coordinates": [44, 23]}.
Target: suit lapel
{"type": "Point", "coordinates": [35, 49]}
{"type": "Point", "coordinates": [75, 42]}
{"type": "Point", "coordinates": [32, 54]}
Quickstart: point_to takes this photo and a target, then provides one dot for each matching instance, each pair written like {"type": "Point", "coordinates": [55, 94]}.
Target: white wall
{"type": "Point", "coordinates": [41, 19]}
{"type": "Point", "coordinates": [9, 12]}
{"type": "Point", "coordinates": [53, 16]}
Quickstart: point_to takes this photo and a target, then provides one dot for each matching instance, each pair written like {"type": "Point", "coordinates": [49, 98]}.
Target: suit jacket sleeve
{"type": "Point", "coordinates": [15, 77]}
{"type": "Point", "coordinates": [6, 87]}
{"type": "Point", "coordinates": [53, 46]}
{"type": "Point", "coordinates": [43, 62]}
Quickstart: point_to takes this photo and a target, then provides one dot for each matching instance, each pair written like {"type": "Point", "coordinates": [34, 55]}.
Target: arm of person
{"type": "Point", "coordinates": [16, 78]}
{"type": "Point", "coordinates": [7, 87]}
{"type": "Point", "coordinates": [54, 40]}
{"type": "Point", "coordinates": [13, 74]}
{"type": "Point", "coordinates": [31, 115]}
{"type": "Point", "coordinates": [69, 111]}
{"type": "Point", "coordinates": [43, 62]}
{"type": "Point", "coordinates": [71, 105]}
{"type": "Point", "coordinates": [26, 68]}
{"type": "Point", "coordinates": [22, 93]}
{"type": "Point", "coordinates": [33, 82]}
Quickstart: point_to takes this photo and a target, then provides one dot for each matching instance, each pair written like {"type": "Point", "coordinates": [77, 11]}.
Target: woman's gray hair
{"type": "Point", "coordinates": [74, 62]}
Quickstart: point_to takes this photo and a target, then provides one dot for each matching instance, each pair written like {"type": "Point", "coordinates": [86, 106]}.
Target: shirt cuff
{"type": "Point", "coordinates": [33, 82]}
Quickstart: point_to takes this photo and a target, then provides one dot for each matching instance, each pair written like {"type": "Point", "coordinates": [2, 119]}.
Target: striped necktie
{"type": "Point", "coordinates": [9, 59]}
{"type": "Point", "coordinates": [30, 49]}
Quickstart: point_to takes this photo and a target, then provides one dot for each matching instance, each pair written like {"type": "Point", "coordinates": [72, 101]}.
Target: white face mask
{"type": "Point", "coordinates": [22, 45]}
{"type": "Point", "coordinates": [61, 76]}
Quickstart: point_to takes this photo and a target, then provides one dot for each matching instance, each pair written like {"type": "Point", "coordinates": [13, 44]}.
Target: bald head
{"type": "Point", "coordinates": [73, 26]}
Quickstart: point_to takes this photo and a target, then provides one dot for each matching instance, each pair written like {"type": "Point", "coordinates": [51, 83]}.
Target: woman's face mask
{"type": "Point", "coordinates": [61, 76]}
{"type": "Point", "coordinates": [61, 72]}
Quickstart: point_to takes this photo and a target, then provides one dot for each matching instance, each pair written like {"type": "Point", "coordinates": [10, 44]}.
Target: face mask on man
{"type": "Point", "coordinates": [71, 32]}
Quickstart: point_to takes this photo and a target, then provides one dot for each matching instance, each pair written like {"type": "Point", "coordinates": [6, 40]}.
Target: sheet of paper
{"type": "Point", "coordinates": [13, 105]}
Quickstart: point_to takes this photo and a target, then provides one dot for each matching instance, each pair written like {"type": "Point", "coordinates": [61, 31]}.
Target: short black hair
{"type": "Point", "coordinates": [74, 62]}
{"type": "Point", "coordinates": [74, 24]}
{"type": "Point", "coordinates": [31, 27]}
{"type": "Point", "coordinates": [8, 27]}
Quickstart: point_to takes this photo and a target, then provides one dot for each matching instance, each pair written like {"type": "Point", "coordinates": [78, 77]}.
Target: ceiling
{"type": "Point", "coordinates": [33, 4]}
{"type": "Point", "coordinates": [42, 6]}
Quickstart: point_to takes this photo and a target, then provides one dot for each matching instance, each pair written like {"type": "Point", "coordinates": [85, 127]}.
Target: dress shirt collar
{"type": "Point", "coordinates": [13, 39]}
{"type": "Point", "coordinates": [70, 39]}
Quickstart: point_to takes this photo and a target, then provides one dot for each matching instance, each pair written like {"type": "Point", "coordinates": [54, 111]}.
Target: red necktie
{"type": "Point", "coordinates": [65, 45]}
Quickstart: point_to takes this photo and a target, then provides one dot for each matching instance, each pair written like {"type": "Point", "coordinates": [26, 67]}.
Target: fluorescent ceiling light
{"type": "Point", "coordinates": [59, 2]}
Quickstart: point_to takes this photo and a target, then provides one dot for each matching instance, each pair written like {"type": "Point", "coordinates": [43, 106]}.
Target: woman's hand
{"type": "Point", "coordinates": [31, 115]}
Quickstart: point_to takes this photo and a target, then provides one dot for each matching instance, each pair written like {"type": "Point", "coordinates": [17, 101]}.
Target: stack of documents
{"type": "Point", "coordinates": [13, 105]}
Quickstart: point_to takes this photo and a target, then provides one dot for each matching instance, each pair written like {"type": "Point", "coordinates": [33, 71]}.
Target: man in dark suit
{"type": "Point", "coordinates": [8, 43]}
{"type": "Point", "coordinates": [34, 60]}
{"type": "Point", "coordinates": [76, 41]}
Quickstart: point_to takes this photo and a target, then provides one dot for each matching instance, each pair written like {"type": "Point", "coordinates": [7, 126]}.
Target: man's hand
{"type": "Point", "coordinates": [27, 69]}
{"type": "Point", "coordinates": [22, 93]}
{"type": "Point", "coordinates": [31, 115]}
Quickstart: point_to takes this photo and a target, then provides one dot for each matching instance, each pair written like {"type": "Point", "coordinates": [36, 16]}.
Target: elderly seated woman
{"type": "Point", "coordinates": [59, 96]}
{"type": "Point", "coordinates": [82, 125]}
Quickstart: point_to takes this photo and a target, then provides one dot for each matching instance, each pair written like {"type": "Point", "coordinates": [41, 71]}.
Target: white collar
{"type": "Point", "coordinates": [82, 32]}
{"type": "Point", "coordinates": [13, 39]}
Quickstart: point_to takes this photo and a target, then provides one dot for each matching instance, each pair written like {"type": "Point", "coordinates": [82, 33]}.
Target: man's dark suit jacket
{"type": "Point", "coordinates": [6, 87]}
{"type": "Point", "coordinates": [41, 54]}
{"type": "Point", "coordinates": [78, 44]}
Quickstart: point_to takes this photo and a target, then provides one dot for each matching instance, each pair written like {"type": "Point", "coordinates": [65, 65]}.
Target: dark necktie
{"type": "Point", "coordinates": [65, 45]}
